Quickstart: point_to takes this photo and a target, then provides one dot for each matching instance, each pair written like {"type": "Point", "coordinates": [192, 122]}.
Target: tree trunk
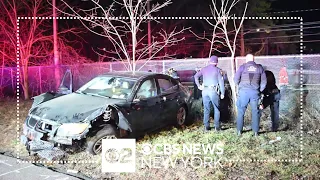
{"type": "Point", "coordinates": [149, 31]}
{"type": "Point", "coordinates": [232, 84]}
{"type": "Point", "coordinates": [242, 42]}
{"type": "Point", "coordinates": [134, 51]}
{"type": "Point", "coordinates": [2, 72]}
{"type": "Point", "coordinates": [55, 47]}
{"type": "Point", "coordinates": [40, 79]}
{"type": "Point", "coordinates": [25, 85]}
{"type": "Point", "coordinates": [134, 67]}
{"type": "Point", "coordinates": [2, 67]}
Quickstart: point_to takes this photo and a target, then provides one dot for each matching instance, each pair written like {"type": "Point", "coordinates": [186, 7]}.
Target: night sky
{"type": "Point", "coordinates": [201, 8]}
{"type": "Point", "coordinates": [308, 16]}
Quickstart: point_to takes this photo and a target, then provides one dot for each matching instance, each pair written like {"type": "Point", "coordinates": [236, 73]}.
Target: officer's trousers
{"type": "Point", "coordinates": [245, 97]}
{"type": "Point", "coordinates": [273, 101]}
{"type": "Point", "coordinates": [210, 95]}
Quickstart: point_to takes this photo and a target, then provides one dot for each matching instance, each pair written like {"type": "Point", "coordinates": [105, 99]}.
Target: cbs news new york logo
{"type": "Point", "coordinates": [118, 155]}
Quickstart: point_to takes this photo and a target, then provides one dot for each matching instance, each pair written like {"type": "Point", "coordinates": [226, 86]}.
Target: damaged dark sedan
{"type": "Point", "coordinates": [113, 105]}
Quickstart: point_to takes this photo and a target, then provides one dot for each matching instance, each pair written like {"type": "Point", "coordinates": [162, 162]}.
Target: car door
{"type": "Point", "coordinates": [145, 107]}
{"type": "Point", "coordinates": [169, 95]}
{"type": "Point", "coordinates": [66, 83]}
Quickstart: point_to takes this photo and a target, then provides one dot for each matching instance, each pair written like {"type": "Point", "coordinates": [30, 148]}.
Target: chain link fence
{"type": "Point", "coordinates": [41, 78]}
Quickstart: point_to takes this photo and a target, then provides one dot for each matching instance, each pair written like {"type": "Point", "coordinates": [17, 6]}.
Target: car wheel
{"type": "Point", "coordinates": [181, 116]}
{"type": "Point", "coordinates": [94, 144]}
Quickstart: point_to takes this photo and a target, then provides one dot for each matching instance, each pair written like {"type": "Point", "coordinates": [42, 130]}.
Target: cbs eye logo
{"type": "Point", "coordinates": [118, 156]}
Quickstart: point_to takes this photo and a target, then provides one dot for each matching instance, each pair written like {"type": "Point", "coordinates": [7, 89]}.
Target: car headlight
{"type": "Point", "coordinates": [72, 129]}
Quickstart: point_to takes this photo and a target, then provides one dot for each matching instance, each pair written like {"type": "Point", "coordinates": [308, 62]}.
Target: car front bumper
{"type": "Point", "coordinates": [33, 142]}
{"type": "Point", "coordinates": [30, 135]}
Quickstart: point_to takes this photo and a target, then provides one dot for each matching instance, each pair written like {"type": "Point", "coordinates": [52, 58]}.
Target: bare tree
{"type": "Point", "coordinates": [222, 16]}
{"type": "Point", "coordinates": [124, 30]}
{"type": "Point", "coordinates": [216, 41]}
{"type": "Point", "coordinates": [222, 21]}
{"type": "Point", "coordinates": [35, 35]}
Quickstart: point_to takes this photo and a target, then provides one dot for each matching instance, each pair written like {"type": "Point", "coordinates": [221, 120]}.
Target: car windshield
{"type": "Point", "coordinates": [108, 86]}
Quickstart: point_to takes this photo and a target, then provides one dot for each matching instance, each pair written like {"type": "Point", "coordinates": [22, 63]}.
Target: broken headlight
{"type": "Point", "coordinates": [72, 129]}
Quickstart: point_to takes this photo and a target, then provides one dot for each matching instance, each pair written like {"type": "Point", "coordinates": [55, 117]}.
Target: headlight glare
{"type": "Point", "coordinates": [72, 129]}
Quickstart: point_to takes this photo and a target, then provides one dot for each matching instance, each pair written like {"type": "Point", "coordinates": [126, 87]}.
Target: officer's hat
{"type": "Point", "coordinates": [213, 60]}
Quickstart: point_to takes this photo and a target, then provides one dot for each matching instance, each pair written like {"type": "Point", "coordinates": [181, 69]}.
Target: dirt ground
{"type": "Point", "coordinates": [9, 125]}
{"type": "Point", "coordinates": [244, 147]}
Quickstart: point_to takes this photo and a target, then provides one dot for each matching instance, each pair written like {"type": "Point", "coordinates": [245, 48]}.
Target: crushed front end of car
{"type": "Point", "coordinates": [48, 138]}
{"type": "Point", "coordinates": [47, 130]}
{"type": "Point", "coordinates": [44, 137]}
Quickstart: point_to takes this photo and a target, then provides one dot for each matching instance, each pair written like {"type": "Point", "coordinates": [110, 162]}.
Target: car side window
{"type": "Point", "coordinates": [147, 89]}
{"type": "Point", "coordinates": [166, 86]}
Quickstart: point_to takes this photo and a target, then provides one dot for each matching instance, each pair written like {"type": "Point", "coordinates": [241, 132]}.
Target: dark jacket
{"type": "Point", "coordinates": [271, 83]}
{"type": "Point", "coordinates": [251, 76]}
{"type": "Point", "coordinates": [211, 76]}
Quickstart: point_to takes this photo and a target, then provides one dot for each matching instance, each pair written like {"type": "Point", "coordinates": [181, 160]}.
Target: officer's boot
{"type": "Point", "coordinates": [217, 129]}
{"type": "Point", "coordinates": [274, 129]}
{"type": "Point", "coordinates": [238, 133]}
{"type": "Point", "coordinates": [206, 129]}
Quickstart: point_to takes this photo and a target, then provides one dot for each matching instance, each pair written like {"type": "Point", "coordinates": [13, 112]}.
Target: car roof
{"type": "Point", "coordinates": [129, 74]}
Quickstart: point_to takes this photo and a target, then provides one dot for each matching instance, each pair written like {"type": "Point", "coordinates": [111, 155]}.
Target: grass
{"type": "Point", "coordinates": [234, 148]}
{"type": "Point", "coordinates": [249, 147]}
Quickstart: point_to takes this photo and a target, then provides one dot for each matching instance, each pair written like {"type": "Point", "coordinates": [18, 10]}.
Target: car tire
{"type": "Point", "coordinates": [94, 144]}
{"type": "Point", "coordinates": [181, 116]}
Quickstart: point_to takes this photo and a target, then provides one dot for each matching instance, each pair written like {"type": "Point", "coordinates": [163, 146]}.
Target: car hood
{"type": "Point", "coordinates": [72, 108]}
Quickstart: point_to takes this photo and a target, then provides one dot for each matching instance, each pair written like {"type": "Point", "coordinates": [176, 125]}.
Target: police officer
{"type": "Point", "coordinates": [212, 90]}
{"type": "Point", "coordinates": [251, 81]}
{"type": "Point", "coordinates": [271, 98]}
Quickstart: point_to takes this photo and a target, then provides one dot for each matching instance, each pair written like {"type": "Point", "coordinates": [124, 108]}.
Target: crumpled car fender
{"type": "Point", "coordinates": [187, 100]}
{"type": "Point", "coordinates": [123, 122]}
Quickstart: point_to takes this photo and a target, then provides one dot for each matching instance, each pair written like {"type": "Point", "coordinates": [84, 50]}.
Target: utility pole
{"type": "Point", "coordinates": [55, 46]}
{"type": "Point", "coordinates": [267, 47]}
{"type": "Point", "coordinates": [204, 36]}
{"type": "Point", "coordinates": [149, 30]}
{"type": "Point", "coordinates": [242, 41]}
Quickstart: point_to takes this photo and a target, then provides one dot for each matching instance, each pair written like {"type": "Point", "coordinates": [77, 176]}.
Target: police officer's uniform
{"type": "Point", "coordinates": [271, 98]}
{"type": "Point", "coordinates": [212, 81]}
{"type": "Point", "coordinates": [251, 81]}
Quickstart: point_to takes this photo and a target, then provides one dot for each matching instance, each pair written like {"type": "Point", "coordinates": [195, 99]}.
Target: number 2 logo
{"type": "Point", "coordinates": [114, 156]}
